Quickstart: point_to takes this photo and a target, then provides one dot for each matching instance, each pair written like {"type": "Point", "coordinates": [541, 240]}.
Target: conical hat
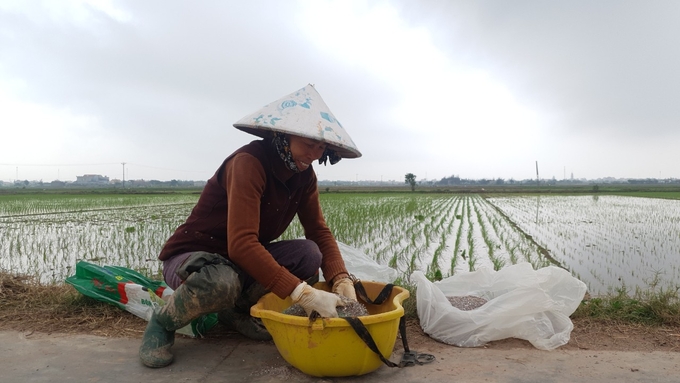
{"type": "Point", "coordinates": [301, 113]}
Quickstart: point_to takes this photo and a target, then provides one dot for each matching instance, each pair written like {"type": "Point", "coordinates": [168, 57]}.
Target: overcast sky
{"type": "Point", "coordinates": [478, 89]}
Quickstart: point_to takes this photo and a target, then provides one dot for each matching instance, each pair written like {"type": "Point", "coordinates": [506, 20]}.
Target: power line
{"type": "Point", "coordinates": [172, 170]}
{"type": "Point", "coordinates": [101, 164]}
{"type": "Point", "coordinates": [111, 163]}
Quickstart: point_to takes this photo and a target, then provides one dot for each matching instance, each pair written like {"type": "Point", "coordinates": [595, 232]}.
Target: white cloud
{"type": "Point", "coordinates": [81, 12]}
{"type": "Point", "coordinates": [462, 109]}
{"type": "Point", "coordinates": [430, 87]}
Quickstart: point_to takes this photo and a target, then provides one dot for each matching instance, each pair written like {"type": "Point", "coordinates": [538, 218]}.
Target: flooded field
{"type": "Point", "coordinates": [607, 242]}
{"type": "Point", "coordinates": [47, 235]}
{"type": "Point", "coordinates": [438, 234]}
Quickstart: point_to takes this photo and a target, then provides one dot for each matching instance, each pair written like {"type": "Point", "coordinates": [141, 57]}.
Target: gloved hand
{"type": "Point", "coordinates": [345, 287]}
{"type": "Point", "coordinates": [312, 299]}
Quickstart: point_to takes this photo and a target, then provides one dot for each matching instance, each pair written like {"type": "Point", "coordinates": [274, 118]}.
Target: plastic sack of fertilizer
{"type": "Point", "coordinates": [520, 303]}
{"type": "Point", "coordinates": [131, 291]}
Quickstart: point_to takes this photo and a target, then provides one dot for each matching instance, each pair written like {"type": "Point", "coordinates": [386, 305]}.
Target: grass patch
{"type": "Point", "coordinates": [652, 307]}
{"type": "Point", "coordinates": [27, 305]}
{"type": "Point", "coordinates": [409, 305]}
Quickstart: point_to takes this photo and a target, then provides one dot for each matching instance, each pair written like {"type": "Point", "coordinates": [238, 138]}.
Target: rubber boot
{"type": "Point", "coordinates": [156, 342]}
{"type": "Point", "coordinates": [211, 289]}
{"type": "Point", "coordinates": [238, 318]}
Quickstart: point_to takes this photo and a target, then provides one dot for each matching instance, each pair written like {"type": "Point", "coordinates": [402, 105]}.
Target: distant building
{"type": "Point", "coordinates": [92, 179]}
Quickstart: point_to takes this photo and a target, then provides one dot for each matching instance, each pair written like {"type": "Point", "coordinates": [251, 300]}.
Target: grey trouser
{"type": "Point", "coordinates": [300, 256]}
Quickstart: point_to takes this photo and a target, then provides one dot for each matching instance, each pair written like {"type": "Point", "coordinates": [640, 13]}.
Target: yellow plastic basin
{"type": "Point", "coordinates": [329, 346]}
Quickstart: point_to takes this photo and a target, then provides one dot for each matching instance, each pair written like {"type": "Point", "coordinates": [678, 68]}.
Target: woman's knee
{"type": "Point", "coordinates": [217, 286]}
{"type": "Point", "coordinates": [301, 257]}
{"type": "Point", "coordinates": [311, 262]}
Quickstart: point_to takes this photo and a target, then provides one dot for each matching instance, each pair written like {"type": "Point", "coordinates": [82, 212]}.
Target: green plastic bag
{"type": "Point", "coordinates": [131, 291]}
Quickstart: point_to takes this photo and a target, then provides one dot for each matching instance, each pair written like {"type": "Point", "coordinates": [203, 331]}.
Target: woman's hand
{"type": "Point", "coordinates": [312, 299]}
{"type": "Point", "coordinates": [345, 287]}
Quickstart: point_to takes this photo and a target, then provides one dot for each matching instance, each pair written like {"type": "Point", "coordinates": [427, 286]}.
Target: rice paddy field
{"type": "Point", "coordinates": [47, 234]}
{"type": "Point", "coordinates": [606, 241]}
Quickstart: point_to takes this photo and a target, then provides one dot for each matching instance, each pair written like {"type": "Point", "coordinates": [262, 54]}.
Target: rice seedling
{"type": "Point", "coordinates": [605, 241]}
{"type": "Point", "coordinates": [600, 241]}
{"type": "Point", "coordinates": [49, 235]}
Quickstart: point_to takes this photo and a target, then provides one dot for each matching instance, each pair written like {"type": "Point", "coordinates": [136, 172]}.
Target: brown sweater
{"type": "Point", "coordinates": [250, 201]}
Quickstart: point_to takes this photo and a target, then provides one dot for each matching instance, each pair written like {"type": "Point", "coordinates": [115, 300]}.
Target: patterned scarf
{"type": "Point", "coordinates": [283, 148]}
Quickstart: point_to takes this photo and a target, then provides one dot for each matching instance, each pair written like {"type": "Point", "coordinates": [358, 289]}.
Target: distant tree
{"type": "Point", "coordinates": [410, 179]}
{"type": "Point", "coordinates": [453, 180]}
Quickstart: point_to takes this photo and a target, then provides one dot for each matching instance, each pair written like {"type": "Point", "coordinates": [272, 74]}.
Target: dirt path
{"type": "Point", "coordinates": [587, 335]}
{"type": "Point", "coordinates": [59, 357]}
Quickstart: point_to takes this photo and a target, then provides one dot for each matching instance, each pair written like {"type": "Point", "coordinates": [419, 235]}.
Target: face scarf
{"type": "Point", "coordinates": [283, 148]}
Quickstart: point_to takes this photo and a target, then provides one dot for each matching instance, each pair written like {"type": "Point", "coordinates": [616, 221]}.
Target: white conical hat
{"type": "Point", "coordinates": [301, 113]}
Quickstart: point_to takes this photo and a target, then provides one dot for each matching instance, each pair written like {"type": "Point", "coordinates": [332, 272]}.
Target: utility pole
{"type": "Point", "coordinates": [538, 180]}
{"type": "Point", "coordinates": [123, 163]}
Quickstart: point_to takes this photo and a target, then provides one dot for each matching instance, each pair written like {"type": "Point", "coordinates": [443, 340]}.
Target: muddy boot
{"type": "Point", "coordinates": [208, 290]}
{"type": "Point", "coordinates": [156, 342]}
{"type": "Point", "coordinates": [243, 323]}
{"type": "Point", "coordinates": [238, 318]}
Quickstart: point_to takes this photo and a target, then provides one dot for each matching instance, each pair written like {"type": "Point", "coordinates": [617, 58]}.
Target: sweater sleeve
{"type": "Point", "coordinates": [245, 184]}
{"type": "Point", "coordinates": [316, 229]}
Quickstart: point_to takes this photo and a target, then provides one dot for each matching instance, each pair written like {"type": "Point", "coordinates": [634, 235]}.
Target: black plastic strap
{"type": "Point", "coordinates": [402, 331]}
{"type": "Point", "coordinates": [382, 296]}
{"type": "Point", "coordinates": [410, 358]}
{"type": "Point", "coordinates": [363, 333]}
